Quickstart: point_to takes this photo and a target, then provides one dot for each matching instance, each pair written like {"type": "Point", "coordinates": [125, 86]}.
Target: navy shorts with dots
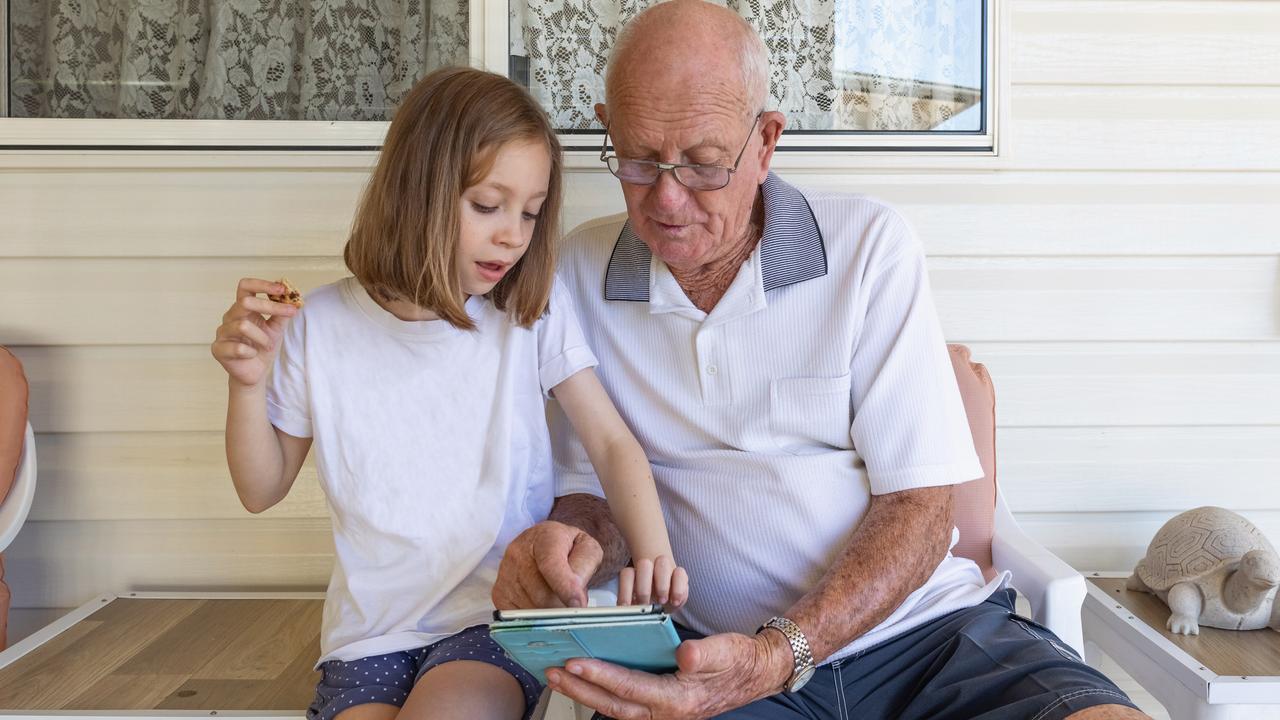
{"type": "Point", "coordinates": [389, 678]}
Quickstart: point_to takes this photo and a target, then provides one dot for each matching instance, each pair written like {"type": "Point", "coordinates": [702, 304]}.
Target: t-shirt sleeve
{"type": "Point", "coordinates": [562, 349]}
{"type": "Point", "coordinates": [288, 402]}
{"type": "Point", "coordinates": [909, 424]}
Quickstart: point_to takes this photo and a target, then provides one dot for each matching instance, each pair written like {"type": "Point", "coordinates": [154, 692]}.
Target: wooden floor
{"type": "Point", "coordinates": [189, 654]}
{"type": "Point", "coordinates": [1225, 652]}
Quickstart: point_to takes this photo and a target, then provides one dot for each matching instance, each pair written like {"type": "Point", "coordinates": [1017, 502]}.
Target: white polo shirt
{"type": "Point", "coordinates": [820, 378]}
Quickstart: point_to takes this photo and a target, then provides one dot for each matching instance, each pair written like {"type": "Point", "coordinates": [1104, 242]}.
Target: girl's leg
{"type": "Point", "coordinates": [461, 689]}
{"type": "Point", "coordinates": [371, 711]}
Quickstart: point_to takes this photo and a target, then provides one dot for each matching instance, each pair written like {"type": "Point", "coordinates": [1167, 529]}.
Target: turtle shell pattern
{"type": "Point", "coordinates": [1195, 543]}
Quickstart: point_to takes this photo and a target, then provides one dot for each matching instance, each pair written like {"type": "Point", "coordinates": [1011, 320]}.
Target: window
{"type": "Point", "coordinates": [302, 73]}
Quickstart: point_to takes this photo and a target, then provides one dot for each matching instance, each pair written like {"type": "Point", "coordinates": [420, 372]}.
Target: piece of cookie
{"type": "Point", "coordinates": [291, 295]}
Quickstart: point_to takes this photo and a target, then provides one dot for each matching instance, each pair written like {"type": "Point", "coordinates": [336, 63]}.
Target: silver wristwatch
{"type": "Point", "coordinates": [804, 668]}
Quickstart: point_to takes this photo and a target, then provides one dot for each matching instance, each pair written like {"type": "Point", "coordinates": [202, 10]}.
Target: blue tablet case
{"type": "Point", "coordinates": [646, 643]}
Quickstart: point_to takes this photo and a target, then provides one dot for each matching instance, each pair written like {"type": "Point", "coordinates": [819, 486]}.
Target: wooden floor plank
{"type": "Point", "coordinates": [217, 694]}
{"type": "Point", "coordinates": [296, 686]}
{"type": "Point", "coordinates": [126, 692]}
{"type": "Point", "coordinates": [25, 680]}
{"type": "Point", "coordinates": [1226, 652]}
{"type": "Point", "coordinates": [189, 645]}
{"type": "Point", "coordinates": [280, 630]}
{"type": "Point", "coordinates": [119, 632]}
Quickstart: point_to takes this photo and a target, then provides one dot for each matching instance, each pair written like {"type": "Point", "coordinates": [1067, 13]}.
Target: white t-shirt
{"type": "Point", "coordinates": [432, 449]}
{"type": "Point", "coordinates": [819, 379]}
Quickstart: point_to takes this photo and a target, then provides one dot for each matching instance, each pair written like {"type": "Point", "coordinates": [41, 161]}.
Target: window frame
{"type": "Point", "coordinates": [490, 45]}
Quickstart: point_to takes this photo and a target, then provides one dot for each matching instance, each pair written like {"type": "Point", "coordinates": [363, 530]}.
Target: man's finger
{"type": "Point", "coordinates": [553, 558]}
{"type": "Point", "coordinates": [594, 697]}
{"type": "Point", "coordinates": [606, 688]}
{"type": "Point", "coordinates": [708, 655]}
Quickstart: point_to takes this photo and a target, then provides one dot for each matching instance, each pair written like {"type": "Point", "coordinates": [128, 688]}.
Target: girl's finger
{"type": "Point", "coordinates": [662, 569]}
{"type": "Point", "coordinates": [277, 323]}
{"type": "Point", "coordinates": [626, 583]}
{"type": "Point", "coordinates": [263, 306]}
{"type": "Point", "coordinates": [233, 350]}
{"type": "Point", "coordinates": [679, 588]}
{"type": "Point", "coordinates": [644, 581]}
{"type": "Point", "coordinates": [252, 286]}
{"type": "Point", "coordinates": [254, 334]}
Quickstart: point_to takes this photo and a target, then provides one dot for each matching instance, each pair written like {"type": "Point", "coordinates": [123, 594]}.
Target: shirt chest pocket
{"type": "Point", "coordinates": [809, 415]}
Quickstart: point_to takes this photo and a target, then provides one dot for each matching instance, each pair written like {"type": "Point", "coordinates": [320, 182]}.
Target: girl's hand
{"type": "Point", "coordinates": [651, 580]}
{"type": "Point", "coordinates": [246, 343]}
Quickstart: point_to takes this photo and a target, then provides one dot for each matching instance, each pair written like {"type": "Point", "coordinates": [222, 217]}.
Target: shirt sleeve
{"type": "Point", "coordinates": [288, 401]}
{"type": "Point", "coordinates": [573, 470]}
{"type": "Point", "coordinates": [562, 349]}
{"type": "Point", "coordinates": [909, 424]}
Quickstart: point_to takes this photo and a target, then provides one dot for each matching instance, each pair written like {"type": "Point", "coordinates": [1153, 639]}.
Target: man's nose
{"type": "Point", "coordinates": [667, 193]}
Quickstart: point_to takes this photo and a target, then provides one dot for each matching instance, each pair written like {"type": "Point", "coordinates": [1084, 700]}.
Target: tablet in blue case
{"type": "Point", "coordinates": [639, 640]}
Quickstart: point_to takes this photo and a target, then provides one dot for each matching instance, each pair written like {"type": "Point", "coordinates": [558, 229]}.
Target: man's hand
{"type": "Point", "coordinates": [717, 674]}
{"type": "Point", "coordinates": [548, 565]}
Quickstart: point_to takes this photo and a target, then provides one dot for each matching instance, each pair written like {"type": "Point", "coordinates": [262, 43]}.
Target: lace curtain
{"type": "Point", "coordinates": [834, 64]}
{"type": "Point", "coordinates": [237, 59]}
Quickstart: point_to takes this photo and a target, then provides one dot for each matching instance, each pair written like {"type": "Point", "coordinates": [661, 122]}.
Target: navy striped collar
{"type": "Point", "coordinates": [791, 248]}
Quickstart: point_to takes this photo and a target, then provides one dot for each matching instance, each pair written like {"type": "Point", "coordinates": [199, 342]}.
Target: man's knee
{"type": "Point", "coordinates": [1109, 712]}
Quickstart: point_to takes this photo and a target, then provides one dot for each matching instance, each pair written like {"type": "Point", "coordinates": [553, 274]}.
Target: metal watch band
{"type": "Point", "coordinates": [799, 648]}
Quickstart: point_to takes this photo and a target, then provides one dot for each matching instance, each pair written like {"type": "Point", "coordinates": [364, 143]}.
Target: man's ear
{"type": "Point", "coordinates": [602, 114]}
{"type": "Point", "coordinates": [771, 126]}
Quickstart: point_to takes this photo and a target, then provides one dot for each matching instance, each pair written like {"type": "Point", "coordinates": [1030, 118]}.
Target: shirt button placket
{"type": "Point", "coordinates": [712, 374]}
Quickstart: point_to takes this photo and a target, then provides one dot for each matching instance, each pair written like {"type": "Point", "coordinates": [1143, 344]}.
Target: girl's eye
{"type": "Point", "coordinates": [485, 209]}
{"type": "Point", "coordinates": [531, 217]}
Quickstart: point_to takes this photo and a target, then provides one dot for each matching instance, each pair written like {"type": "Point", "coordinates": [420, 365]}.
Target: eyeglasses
{"type": "Point", "coordinates": [694, 177]}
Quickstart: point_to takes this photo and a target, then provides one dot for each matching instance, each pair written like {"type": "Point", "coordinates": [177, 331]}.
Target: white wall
{"type": "Point", "coordinates": [1118, 269]}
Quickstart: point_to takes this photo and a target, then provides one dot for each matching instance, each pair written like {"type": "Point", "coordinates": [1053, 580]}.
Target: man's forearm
{"type": "Point", "coordinates": [894, 550]}
{"type": "Point", "coordinates": [591, 515]}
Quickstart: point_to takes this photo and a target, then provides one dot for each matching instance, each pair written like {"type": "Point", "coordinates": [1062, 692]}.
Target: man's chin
{"type": "Point", "coordinates": [677, 252]}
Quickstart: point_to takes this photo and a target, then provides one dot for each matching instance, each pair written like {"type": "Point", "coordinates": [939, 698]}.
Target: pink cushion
{"type": "Point", "coordinates": [13, 418]}
{"type": "Point", "coordinates": [13, 428]}
{"type": "Point", "coordinates": [975, 501]}
{"type": "Point", "coordinates": [4, 608]}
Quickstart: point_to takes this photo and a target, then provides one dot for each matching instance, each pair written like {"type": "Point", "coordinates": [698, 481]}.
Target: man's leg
{"type": "Point", "coordinates": [985, 662]}
{"type": "Point", "coordinates": [1109, 712]}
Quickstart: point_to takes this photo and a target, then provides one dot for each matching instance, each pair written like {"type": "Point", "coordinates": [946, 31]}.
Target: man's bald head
{"type": "Point", "coordinates": [678, 39]}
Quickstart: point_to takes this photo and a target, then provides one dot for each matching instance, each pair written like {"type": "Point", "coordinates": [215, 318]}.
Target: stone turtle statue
{"type": "Point", "coordinates": [1211, 567]}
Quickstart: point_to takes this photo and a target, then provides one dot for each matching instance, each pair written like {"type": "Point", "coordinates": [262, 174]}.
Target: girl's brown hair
{"type": "Point", "coordinates": [443, 139]}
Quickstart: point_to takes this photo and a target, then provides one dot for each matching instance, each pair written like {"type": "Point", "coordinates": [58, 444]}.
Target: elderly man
{"type": "Point", "coordinates": [777, 354]}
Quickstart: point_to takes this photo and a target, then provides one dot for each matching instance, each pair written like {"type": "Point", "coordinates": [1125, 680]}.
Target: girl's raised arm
{"type": "Point", "coordinates": [628, 485]}
{"type": "Point", "coordinates": [263, 460]}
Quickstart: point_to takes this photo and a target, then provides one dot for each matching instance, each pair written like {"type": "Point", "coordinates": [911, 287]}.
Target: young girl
{"type": "Point", "coordinates": [421, 381]}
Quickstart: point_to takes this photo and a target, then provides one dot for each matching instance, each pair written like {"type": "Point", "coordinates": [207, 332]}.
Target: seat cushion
{"type": "Point", "coordinates": [975, 501]}
{"type": "Point", "coordinates": [13, 418]}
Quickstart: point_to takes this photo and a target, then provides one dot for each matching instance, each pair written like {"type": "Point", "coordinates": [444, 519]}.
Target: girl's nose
{"type": "Point", "coordinates": [510, 234]}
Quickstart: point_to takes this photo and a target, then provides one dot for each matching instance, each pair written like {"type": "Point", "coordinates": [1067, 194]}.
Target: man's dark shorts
{"type": "Point", "coordinates": [984, 662]}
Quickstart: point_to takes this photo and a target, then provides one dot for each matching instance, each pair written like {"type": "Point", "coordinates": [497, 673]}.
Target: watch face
{"type": "Point", "coordinates": [804, 677]}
